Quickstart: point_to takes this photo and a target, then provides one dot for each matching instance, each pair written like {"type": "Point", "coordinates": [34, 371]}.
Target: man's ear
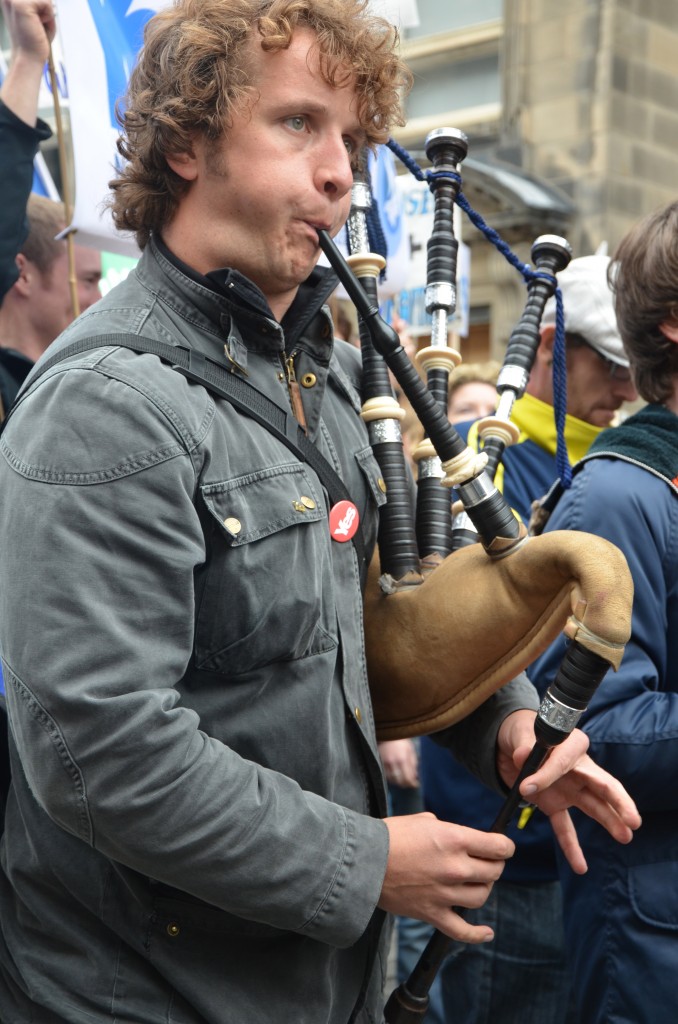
{"type": "Point", "coordinates": [547, 337]}
{"type": "Point", "coordinates": [670, 330]}
{"type": "Point", "coordinates": [184, 164]}
{"type": "Point", "coordinates": [27, 273]}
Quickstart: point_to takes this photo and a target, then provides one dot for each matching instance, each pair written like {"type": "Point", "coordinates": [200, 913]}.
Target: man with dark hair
{"type": "Point", "coordinates": [620, 918]}
{"type": "Point", "coordinates": [196, 826]}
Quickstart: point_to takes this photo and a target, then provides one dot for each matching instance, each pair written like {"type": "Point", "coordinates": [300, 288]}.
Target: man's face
{"type": "Point", "coordinates": [51, 307]}
{"type": "Point", "coordinates": [282, 170]}
{"type": "Point", "coordinates": [88, 276]}
{"type": "Point", "coordinates": [593, 395]}
{"type": "Point", "coordinates": [472, 401]}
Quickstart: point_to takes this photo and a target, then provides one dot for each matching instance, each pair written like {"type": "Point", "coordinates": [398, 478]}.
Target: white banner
{"type": "Point", "coordinates": [402, 13]}
{"type": "Point", "coordinates": [99, 40]}
{"type": "Point", "coordinates": [410, 304]}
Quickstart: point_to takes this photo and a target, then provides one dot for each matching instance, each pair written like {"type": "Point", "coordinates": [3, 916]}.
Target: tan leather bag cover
{"type": "Point", "coordinates": [437, 651]}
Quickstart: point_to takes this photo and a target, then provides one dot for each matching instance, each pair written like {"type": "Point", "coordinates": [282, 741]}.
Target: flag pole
{"type": "Point", "coordinates": [65, 184]}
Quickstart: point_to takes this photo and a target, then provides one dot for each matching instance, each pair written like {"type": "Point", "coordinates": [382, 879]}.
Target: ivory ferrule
{"type": "Point", "coordinates": [463, 470]}
{"type": "Point", "coordinates": [493, 426]}
{"type": "Point", "coordinates": [424, 450]}
{"type": "Point", "coordinates": [383, 408]}
{"type": "Point", "coordinates": [366, 264]}
{"type": "Point", "coordinates": [437, 359]}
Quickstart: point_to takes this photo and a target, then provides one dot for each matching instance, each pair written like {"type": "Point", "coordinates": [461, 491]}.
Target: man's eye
{"type": "Point", "coordinates": [297, 123]}
{"type": "Point", "coordinates": [350, 145]}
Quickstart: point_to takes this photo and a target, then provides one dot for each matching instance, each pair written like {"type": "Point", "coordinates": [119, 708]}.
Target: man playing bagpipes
{"type": "Point", "coordinates": [195, 830]}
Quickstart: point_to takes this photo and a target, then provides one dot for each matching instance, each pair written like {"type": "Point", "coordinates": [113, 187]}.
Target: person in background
{"type": "Point", "coordinates": [31, 26]}
{"type": "Point", "coordinates": [621, 917]}
{"type": "Point", "coordinates": [522, 977]}
{"type": "Point", "coordinates": [38, 306]}
{"type": "Point", "coordinates": [472, 392]}
{"type": "Point", "coordinates": [35, 297]}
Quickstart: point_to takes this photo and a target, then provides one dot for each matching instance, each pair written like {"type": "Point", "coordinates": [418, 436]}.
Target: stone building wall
{"type": "Point", "coordinates": [591, 106]}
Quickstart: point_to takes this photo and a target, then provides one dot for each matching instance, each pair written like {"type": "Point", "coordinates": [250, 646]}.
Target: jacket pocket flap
{"type": "Point", "coordinates": [372, 473]}
{"type": "Point", "coordinates": [260, 504]}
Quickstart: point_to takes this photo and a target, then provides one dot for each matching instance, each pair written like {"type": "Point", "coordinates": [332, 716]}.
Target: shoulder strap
{"type": "Point", "coordinates": [244, 396]}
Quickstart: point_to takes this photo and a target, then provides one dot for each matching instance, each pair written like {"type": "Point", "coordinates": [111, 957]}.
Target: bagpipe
{"type": "Point", "coordinates": [448, 623]}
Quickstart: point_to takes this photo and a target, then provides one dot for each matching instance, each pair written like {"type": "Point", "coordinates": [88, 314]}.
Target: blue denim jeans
{"type": "Point", "coordinates": [521, 976]}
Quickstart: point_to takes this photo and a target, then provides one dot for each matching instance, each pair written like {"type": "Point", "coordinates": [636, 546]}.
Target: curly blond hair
{"type": "Point", "coordinates": [194, 68]}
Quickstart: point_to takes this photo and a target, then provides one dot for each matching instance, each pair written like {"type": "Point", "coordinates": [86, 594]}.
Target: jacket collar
{"type": "Point", "coordinates": [226, 293]}
{"type": "Point", "coordinates": [649, 438]}
{"type": "Point", "coordinates": [233, 310]}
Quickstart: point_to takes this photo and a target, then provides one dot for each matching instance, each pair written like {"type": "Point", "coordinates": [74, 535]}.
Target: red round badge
{"type": "Point", "coordinates": [344, 520]}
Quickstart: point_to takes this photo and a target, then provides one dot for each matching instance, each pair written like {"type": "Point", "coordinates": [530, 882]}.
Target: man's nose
{"type": "Point", "coordinates": [626, 390]}
{"type": "Point", "coordinates": [87, 297]}
{"type": "Point", "coordinates": [335, 174]}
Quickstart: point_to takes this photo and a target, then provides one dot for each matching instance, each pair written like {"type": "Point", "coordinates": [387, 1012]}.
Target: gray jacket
{"type": "Point", "coordinates": [193, 832]}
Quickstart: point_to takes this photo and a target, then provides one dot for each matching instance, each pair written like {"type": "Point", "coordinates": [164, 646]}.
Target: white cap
{"type": "Point", "coordinates": [588, 306]}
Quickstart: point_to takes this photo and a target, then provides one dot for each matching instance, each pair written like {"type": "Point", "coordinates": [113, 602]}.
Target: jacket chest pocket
{"type": "Point", "coordinates": [266, 592]}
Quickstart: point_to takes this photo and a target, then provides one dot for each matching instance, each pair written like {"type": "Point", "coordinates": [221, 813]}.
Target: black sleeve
{"type": "Point", "coordinates": [18, 146]}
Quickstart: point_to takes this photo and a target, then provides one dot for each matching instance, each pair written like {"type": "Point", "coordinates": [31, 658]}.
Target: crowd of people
{"type": "Point", "coordinates": [196, 826]}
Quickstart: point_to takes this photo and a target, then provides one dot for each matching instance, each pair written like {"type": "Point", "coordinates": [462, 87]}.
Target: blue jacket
{"type": "Point", "coordinates": [527, 472]}
{"type": "Point", "coordinates": [621, 918]}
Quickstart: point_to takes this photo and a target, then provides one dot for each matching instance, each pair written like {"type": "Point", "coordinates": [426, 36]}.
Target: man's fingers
{"type": "Point", "coordinates": [605, 814]}
{"type": "Point", "coordinates": [453, 924]}
{"type": "Point", "coordinates": [566, 834]}
{"type": "Point", "coordinates": [595, 792]}
{"type": "Point", "coordinates": [595, 781]}
{"type": "Point", "coordinates": [434, 866]}
{"type": "Point", "coordinates": [487, 846]}
{"type": "Point", "coordinates": [561, 760]}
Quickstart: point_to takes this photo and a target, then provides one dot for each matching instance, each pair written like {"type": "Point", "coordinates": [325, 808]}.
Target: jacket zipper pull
{"type": "Point", "coordinates": [295, 393]}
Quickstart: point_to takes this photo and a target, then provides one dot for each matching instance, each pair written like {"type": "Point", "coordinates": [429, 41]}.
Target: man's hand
{"type": "Point", "coordinates": [31, 27]}
{"type": "Point", "coordinates": [434, 866]}
{"type": "Point", "coordinates": [399, 758]}
{"type": "Point", "coordinates": [568, 778]}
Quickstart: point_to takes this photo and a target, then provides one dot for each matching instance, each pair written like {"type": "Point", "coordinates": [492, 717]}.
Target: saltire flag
{"type": "Point", "coordinates": [100, 40]}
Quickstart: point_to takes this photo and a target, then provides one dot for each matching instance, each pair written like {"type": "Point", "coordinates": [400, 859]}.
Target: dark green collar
{"type": "Point", "coordinates": [649, 437]}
